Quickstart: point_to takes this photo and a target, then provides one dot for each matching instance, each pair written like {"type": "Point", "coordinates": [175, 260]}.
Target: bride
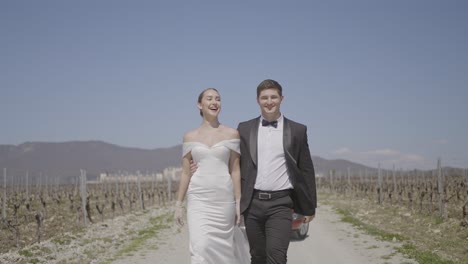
{"type": "Point", "coordinates": [213, 191]}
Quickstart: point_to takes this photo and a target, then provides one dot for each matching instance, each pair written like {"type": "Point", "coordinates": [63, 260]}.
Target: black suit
{"type": "Point", "coordinates": [298, 160]}
{"type": "Point", "coordinates": [303, 197]}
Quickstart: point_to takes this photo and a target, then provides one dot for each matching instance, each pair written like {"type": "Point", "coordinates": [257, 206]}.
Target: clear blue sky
{"type": "Point", "coordinates": [374, 81]}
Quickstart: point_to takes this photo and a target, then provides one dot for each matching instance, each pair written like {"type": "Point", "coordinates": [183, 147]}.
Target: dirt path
{"type": "Point", "coordinates": [330, 241]}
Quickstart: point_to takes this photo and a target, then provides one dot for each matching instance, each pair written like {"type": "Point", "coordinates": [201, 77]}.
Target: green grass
{"type": "Point", "coordinates": [26, 253]}
{"type": "Point", "coordinates": [34, 261]}
{"type": "Point", "coordinates": [63, 240]}
{"type": "Point", "coordinates": [157, 223]}
{"type": "Point", "coordinates": [86, 241]}
{"type": "Point", "coordinates": [387, 257]}
{"type": "Point", "coordinates": [347, 217]}
{"type": "Point", "coordinates": [107, 240]}
{"type": "Point", "coordinates": [422, 257]}
{"type": "Point", "coordinates": [438, 220]}
{"type": "Point", "coordinates": [421, 242]}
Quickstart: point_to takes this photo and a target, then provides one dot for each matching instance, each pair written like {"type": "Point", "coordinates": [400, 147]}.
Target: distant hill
{"type": "Point", "coordinates": [323, 166]}
{"type": "Point", "coordinates": [65, 159]}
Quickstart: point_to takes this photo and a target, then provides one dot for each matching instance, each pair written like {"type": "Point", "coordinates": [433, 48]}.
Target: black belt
{"type": "Point", "coordinates": [270, 195]}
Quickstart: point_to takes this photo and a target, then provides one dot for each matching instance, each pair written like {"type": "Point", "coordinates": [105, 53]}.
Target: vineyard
{"type": "Point", "coordinates": [32, 213]}
{"type": "Point", "coordinates": [441, 193]}
{"type": "Point", "coordinates": [36, 211]}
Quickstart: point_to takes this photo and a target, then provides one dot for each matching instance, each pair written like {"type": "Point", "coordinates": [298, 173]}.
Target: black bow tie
{"type": "Point", "coordinates": [272, 123]}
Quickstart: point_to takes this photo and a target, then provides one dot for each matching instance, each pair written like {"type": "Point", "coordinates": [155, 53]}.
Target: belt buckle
{"type": "Point", "coordinates": [264, 196]}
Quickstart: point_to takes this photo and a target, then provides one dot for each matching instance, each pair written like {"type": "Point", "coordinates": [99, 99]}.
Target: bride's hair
{"type": "Point", "coordinates": [200, 97]}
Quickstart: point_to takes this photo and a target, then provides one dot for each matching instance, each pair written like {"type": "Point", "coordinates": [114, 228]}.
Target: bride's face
{"type": "Point", "coordinates": [210, 104]}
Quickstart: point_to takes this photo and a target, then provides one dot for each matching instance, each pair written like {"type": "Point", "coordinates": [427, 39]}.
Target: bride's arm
{"type": "Point", "coordinates": [234, 170]}
{"type": "Point", "coordinates": [184, 178]}
{"type": "Point", "coordinates": [183, 186]}
{"type": "Point", "coordinates": [234, 165]}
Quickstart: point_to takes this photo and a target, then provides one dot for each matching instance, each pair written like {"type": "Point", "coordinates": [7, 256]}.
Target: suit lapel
{"type": "Point", "coordinates": [287, 137]}
{"type": "Point", "coordinates": [253, 140]}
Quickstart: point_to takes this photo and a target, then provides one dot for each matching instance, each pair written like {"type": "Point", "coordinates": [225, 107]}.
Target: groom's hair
{"type": "Point", "coordinates": [269, 84]}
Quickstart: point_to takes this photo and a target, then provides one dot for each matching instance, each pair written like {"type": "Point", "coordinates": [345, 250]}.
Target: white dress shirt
{"type": "Point", "coordinates": [272, 173]}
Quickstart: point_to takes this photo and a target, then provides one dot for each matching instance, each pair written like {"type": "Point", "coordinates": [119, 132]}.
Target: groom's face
{"type": "Point", "coordinates": [269, 101]}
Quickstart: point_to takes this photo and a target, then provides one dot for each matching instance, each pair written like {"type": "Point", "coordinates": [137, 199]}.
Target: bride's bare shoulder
{"type": "Point", "coordinates": [230, 132]}
{"type": "Point", "coordinates": [190, 135]}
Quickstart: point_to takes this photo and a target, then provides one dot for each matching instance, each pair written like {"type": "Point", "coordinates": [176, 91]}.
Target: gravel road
{"type": "Point", "coordinates": [330, 241]}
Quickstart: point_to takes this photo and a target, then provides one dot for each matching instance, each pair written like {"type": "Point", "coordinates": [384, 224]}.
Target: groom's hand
{"type": "Point", "coordinates": [193, 167]}
{"type": "Point", "coordinates": [239, 217]}
{"type": "Point", "coordinates": [308, 218]}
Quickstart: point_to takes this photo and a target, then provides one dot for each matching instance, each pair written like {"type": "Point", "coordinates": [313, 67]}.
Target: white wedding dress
{"type": "Point", "coordinates": [214, 237]}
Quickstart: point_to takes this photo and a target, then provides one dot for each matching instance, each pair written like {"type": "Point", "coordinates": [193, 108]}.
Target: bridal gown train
{"type": "Point", "coordinates": [214, 237]}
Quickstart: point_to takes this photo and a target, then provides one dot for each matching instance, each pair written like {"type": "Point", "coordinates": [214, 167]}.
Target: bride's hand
{"type": "Point", "coordinates": [238, 214]}
{"type": "Point", "coordinates": [179, 214]}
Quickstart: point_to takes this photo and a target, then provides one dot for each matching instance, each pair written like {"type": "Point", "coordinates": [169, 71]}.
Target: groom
{"type": "Point", "coordinates": [277, 176]}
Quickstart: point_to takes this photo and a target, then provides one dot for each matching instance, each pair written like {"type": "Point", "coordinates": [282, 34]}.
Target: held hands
{"type": "Point", "coordinates": [238, 214]}
{"type": "Point", "coordinates": [179, 214]}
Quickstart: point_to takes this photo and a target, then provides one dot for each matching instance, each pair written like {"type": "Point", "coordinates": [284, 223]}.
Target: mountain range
{"type": "Point", "coordinates": [63, 160]}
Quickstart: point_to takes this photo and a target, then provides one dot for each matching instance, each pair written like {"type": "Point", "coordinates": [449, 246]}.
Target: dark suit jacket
{"type": "Point", "coordinates": [298, 161]}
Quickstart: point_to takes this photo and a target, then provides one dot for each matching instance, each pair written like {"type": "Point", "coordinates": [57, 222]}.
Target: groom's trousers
{"type": "Point", "coordinates": [268, 226]}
